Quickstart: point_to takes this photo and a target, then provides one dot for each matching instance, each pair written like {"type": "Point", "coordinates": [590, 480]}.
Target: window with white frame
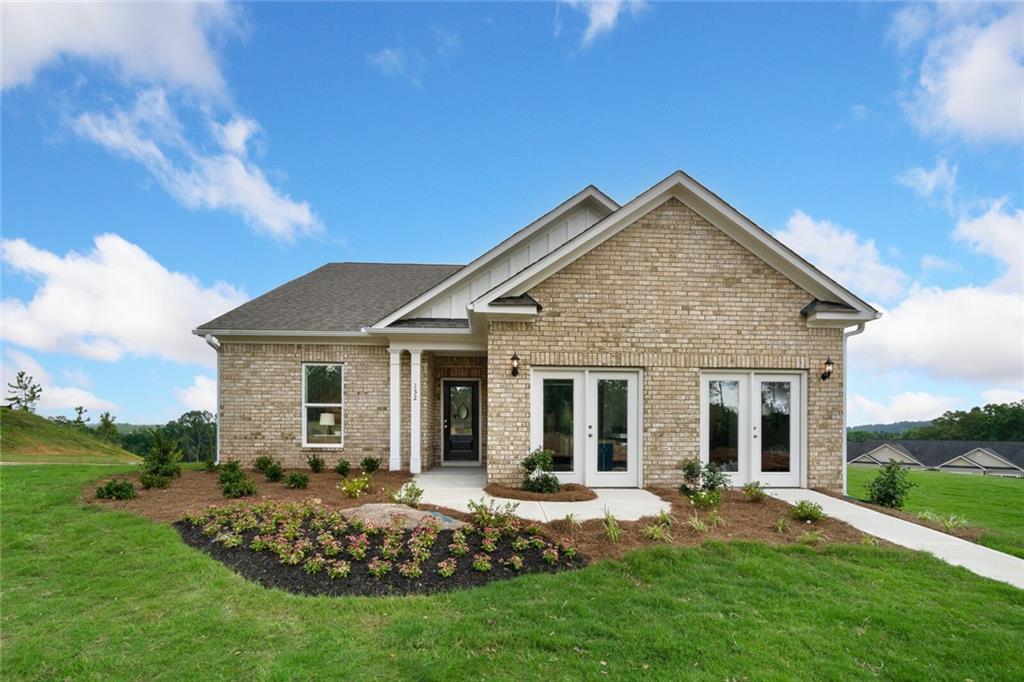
{"type": "Point", "coordinates": [323, 405]}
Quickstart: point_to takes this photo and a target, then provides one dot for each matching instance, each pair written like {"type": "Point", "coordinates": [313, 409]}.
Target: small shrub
{"type": "Point", "coordinates": [782, 525]}
{"type": "Point", "coordinates": [354, 487]}
{"type": "Point", "coordinates": [154, 480]}
{"type": "Point", "coordinates": [273, 471]}
{"type": "Point", "coordinates": [339, 569]}
{"type": "Point", "coordinates": [706, 499]}
{"type": "Point", "coordinates": [664, 518]}
{"type": "Point", "coordinates": [296, 480]}
{"type": "Point", "coordinates": [342, 468]}
{"type": "Point", "coordinates": [409, 494]}
{"type": "Point", "coordinates": [754, 492]}
{"type": "Point", "coordinates": [446, 568]}
{"type": "Point", "coordinates": [491, 514]}
{"type": "Point", "coordinates": [658, 533]}
{"type": "Point", "coordinates": [572, 521]}
{"type": "Point", "coordinates": [314, 564]}
{"type": "Point", "coordinates": [315, 462]}
{"type": "Point", "coordinates": [715, 519]}
{"type": "Point", "coordinates": [261, 463]}
{"type": "Point", "coordinates": [568, 549]}
{"type": "Point", "coordinates": [953, 522]}
{"type": "Point", "coordinates": [515, 562]}
{"type": "Point", "coordinates": [869, 540]}
{"type": "Point", "coordinates": [482, 563]}
{"type": "Point", "coordinates": [890, 487]}
{"type": "Point", "coordinates": [410, 569]}
{"type": "Point", "coordinates": [210, 467]}
{"type": "Point", "coordinates": [234, 482]}
{"type": "Point", "coordinates": [370, 465]}
{"type": "Point", "coordinates": [930, 516]}
{"type": "Point", "coordinates": [612, 529]}
{"type": "Point", "coordinates": [811, 537]}
{"type": "Point", "coordinates": [697, 524]}
{"type": "Point", "coordinates": [378, 567]}
{"type": "Point", "coordinates": [698, 476]}
{"type": "Point", "coordinates": [116, 489]}
{"type": "Point", "coordinates": [162, 463]}
{"type": "Point", "coordinates": [550, 555]}
{"type": "Point", "coordinates": [538, 478]}
{"type": "Point", "coordinates": [808, 511]}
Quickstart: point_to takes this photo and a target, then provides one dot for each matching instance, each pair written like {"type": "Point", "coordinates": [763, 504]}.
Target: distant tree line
{"type": "Point", "coordinates": [193, 433]}
{"type": "Point", "coordinates": [992, 422]}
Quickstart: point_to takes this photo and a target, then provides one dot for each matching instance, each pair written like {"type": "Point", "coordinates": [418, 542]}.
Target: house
{"type": "Point", "coordinates": [992, 457]}
{"type": "Point", "coordinates": [624, 338]}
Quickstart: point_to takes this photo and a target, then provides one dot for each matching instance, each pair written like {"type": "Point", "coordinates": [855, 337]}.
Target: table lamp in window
{"type": "Point", "coordinates": [327, 421]}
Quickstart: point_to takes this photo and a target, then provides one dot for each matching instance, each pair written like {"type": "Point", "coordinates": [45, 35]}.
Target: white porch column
{"type": "Point", "coordinates": [395, 411]}
{"type": "Point", "coordinates": [415, 465]}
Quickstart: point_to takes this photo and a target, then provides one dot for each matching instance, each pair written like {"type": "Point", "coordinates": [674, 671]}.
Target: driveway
{"type": "Point", "coordinates": [976, 558]}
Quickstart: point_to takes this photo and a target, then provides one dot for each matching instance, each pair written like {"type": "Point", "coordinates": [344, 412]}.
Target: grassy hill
{"type": "Point", "coordinates": [26, 437]}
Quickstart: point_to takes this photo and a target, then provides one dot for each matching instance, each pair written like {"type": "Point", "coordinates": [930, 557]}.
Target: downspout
{"type": "Point", "coordinates": [846, 335]}
{"type": "Point", "coordinates": [213, 343]}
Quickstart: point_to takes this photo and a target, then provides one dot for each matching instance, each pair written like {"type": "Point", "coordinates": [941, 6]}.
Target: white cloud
{"type": "Point", "coordinates": [201, 395]}
{"type": "Point", "coordinates": [395, 61]}
{"type": "Point", "coordinates": [909, 406]}
{"type": "Point", "coordinates": [602, 16]}
{"type": "Point", "coordinates": [853, 262]}
{"type": "Point", "coordinates": [112, 301]}
{"type": "Point", "coordinates": [998, 233]}
{"type": "Point", "coordinates": [446, 41]}
{"type": "Point", "coordinates": [152, 134]}
{"type": "Point", "coordinates": [968, 333]}
{"type": "Point", "coordinates": [860, 112]}
{"type": "Point", "coordinates": [168, 43]}
{"type": "Point", "coordinates": [932, 263]}
{"type": "Point", "coordinates": [969, 66]}
{"type": "Point", "coordinates": [53, 398]}
{"type": "Point", "coordinates": [925, 182]}
{"type": "Point", "coordinates": [1002, 395]}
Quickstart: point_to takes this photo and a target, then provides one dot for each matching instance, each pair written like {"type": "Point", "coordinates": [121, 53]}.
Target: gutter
{"type": "Point", "coordinates": [846, 335]}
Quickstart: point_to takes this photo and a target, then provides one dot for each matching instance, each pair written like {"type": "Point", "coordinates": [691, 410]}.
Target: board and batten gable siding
{"type": "Point", "coordinates": [672, 295]}
{"type": "Point", "coordinates": [260, 401]}
{"type": "Point", "coordinates": [453, 305]}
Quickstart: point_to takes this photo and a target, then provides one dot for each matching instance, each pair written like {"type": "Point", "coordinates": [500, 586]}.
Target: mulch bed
{"type": "Point", "coordinates": [265, 567]}
{"type": "Point", "coordinates": [197, 490]}
{"type": "Point", "coordinates": [568, 492]}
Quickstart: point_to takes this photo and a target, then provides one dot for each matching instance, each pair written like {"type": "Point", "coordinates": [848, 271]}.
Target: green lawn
{"type": "Point", "coordinates": [995, 504]}
{"type": "Point", "coordinates": [27, 437]}
{"type": "Point", "coordinates": [94, 594]}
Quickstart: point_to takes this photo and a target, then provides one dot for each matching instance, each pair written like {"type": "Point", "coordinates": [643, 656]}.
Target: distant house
{"type": "Point", "coordinates": [993, 457]}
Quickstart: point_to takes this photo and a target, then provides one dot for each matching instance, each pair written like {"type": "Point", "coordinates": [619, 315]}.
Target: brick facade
{"type": "Point", "coordinates": [672, 295]}
{"type": "Point", "coordinates": [260, 401]}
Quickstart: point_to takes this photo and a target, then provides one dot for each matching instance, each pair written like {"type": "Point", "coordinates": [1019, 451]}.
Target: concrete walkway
{"type": "Point", "coordinates": [975, 558]}
{"type": "Point", "coordinates": [453, 487]}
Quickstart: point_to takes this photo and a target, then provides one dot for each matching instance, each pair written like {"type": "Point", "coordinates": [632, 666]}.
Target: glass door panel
{"type": "Point", "coordinates": [724, 424]}
{"type": "Point", "coordinates": [612, 429]}
{"type": "Point", "coordinates": [612, 425]}
{"type": "Point", "coordinates": [777, 432]}
{"type": "Point", "coordinates": [559, 419]}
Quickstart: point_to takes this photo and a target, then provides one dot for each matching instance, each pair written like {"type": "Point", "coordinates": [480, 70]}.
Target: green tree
{"type": "Point", "coordinates": [24, 393]}
{"type": "Point", "coordinates": [992, 422]}
{"type": "Point", "coordinates": [80, 419]}
{"type": "Point", "coordinates": [107, 429]}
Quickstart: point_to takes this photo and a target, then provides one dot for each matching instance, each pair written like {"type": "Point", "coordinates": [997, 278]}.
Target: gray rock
{"type": "Point", "coordinates": [381, 513]}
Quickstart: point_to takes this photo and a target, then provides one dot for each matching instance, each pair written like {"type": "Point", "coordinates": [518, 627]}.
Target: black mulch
{"type": "Point", "coordinates": [266, 569]}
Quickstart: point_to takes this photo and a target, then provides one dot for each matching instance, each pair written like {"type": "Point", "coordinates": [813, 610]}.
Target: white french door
{"type": "Point", "coordinates": [752, 426]}
{"type": "Point", "coordinates": [590, 420]}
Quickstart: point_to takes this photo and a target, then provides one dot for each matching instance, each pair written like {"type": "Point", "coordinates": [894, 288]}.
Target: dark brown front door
{"type": "Point", "coordinates": [461, 421]}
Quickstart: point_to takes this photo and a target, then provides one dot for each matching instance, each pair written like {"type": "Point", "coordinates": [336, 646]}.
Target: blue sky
{"type": "Point", "coordinates": [177, 159]}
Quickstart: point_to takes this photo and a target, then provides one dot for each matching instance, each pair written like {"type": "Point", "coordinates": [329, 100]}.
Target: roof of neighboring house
{"type": "Point", "coordinates": [338, 297]}
{"type": "Point", "coordinates": [932, 453]}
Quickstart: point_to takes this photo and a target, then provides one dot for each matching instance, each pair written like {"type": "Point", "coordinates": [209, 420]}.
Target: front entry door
{"type": "Point", "coordinates": [751, 426]}
{"type": "Point", "coordinates": [461, 427]}
{"type": "Point", "coordinates": [590, 420]}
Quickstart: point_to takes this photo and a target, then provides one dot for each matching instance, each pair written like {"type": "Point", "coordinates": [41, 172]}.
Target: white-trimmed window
{"type": "Point", "coordinates": [323, 405]}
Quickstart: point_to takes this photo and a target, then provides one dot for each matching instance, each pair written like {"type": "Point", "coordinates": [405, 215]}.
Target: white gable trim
{"type": "Point", "coordinates": [888, 446]}
{"type": "Point", "coordinates": [990, 453]}
{"type": "Point", "coordinates": [714, 210]}
{"type": "Point", "coordinates": [965, 459]}
{"type": "Point", "coordinates": [864, 459]}
{"type": "Point", "coordinates": [449, 284]}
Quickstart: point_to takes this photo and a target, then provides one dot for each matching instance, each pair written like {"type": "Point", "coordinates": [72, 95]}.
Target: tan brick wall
{"type": "Point", "coordinates": [672, 295]}
{"type": "Point", "coordinates": [260, 401]}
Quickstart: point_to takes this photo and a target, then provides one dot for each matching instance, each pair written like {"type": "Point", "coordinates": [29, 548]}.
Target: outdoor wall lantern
{"type": "Point", "coordinates": [826, 371]}
{"type": "Point", "coordinates": [515, 364]}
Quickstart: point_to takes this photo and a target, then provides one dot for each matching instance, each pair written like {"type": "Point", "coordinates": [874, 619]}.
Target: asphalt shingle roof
{"type": "Point", "coordinates": [932, 453]}
{"type": "Point", "coordinates": [338, 297]}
